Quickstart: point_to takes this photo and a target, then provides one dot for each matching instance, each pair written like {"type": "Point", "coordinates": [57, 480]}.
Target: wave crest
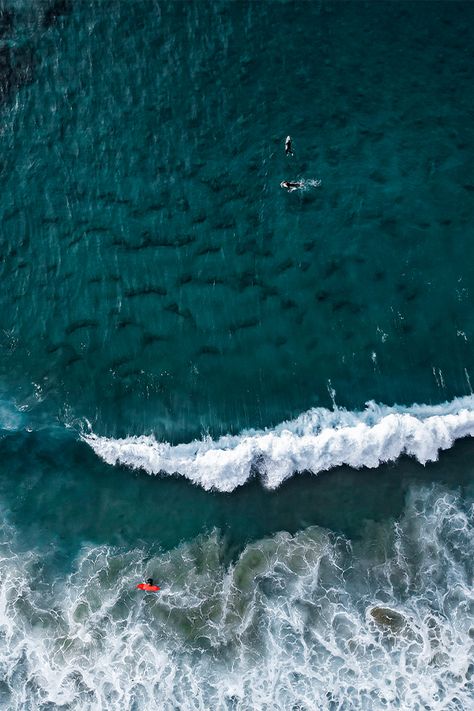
{"type": "Point", "coordinates": [317, 440]}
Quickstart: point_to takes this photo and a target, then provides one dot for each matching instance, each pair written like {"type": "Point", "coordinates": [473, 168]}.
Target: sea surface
{"type": "Point", "coordinates": [261, 399]}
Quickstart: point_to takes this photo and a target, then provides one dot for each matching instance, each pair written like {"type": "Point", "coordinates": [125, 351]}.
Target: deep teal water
{"type": "Point", "coordinates": [159, 279]}
{"type": "Point", "coordinates": [156, 280]}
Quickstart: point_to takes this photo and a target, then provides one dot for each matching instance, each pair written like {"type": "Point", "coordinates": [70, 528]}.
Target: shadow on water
{"type": "Point", "coordinates": [74, 498]}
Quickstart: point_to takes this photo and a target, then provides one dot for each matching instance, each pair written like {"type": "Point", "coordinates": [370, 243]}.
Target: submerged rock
{"type": "Point", "coordinates": [388, 619]}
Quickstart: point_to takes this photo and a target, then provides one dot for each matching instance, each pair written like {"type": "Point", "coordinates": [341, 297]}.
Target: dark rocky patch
{"type": "Point", "coordinates": [16, 69]}
{"type": "Point", "coordinates": [6, 21]}
{"type": "Point", "coordinates": [57, 9]}
{"type": "Point", "coordinates": [387, 618]}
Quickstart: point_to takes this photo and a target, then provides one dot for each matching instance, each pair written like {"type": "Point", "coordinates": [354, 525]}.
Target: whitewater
{"type": "Point", "coordinates": [295, 622]}
{"type": "Point", "coordinates": [316, 441]}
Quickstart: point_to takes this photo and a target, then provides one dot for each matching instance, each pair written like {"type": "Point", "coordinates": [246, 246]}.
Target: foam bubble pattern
{"type": "Point", "coordinates": [296, 622]}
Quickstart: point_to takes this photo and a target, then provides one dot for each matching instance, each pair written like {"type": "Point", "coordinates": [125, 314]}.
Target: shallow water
{"type": "Point", "coordinates": [167, 309]}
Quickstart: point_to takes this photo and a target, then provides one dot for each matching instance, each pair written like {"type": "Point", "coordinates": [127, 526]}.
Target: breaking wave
{"type": "Point", "coordinates": [317, 440]}
{"type": "Point", "coordinates": [296, 622]}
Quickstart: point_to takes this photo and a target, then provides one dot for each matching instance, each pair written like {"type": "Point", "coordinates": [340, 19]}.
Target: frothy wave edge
{"type": "Point", "coordinates": [317, 440]}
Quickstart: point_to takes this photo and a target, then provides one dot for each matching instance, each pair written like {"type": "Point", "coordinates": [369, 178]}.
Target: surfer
{"type": "Point", "coordinates": [288, 147]}
{"type": "Point", "coordinates": [148, 586]}
{"type": "Point", "coordinates": [290, 186]}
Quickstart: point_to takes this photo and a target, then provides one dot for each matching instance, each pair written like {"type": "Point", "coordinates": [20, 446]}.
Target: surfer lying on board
{"type": "Point", "coordinates": [291, 186]}
{"type": "Point", "coordinates": [288, 147]}
{"type": "Point", "coordinates": [148, 586]}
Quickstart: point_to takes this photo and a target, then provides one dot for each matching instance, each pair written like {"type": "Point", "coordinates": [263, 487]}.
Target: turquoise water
{"type": "Point", "coordinates": [167, 309]}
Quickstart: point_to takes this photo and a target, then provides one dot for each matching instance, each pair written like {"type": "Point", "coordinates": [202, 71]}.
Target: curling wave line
{"type": "Point", "coordinates": [317, 440]}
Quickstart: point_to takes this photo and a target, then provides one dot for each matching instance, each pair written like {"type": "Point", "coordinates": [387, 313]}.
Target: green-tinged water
{"type": "Point", "coordinates": [166, 305]}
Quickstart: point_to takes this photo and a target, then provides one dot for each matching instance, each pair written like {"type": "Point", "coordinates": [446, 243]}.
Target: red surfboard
{"type": "Point", "coordinates": [148, 588]}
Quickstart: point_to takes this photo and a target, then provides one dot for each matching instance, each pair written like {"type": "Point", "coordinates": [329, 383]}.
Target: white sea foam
{"type": "Point", "coordinates": [297, 622]}
{"type": "Point", "coordinates": [317, 440]}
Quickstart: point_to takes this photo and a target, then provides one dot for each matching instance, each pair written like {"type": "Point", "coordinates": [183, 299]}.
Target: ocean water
{"type": "Point", "coordinates": [261, 398]}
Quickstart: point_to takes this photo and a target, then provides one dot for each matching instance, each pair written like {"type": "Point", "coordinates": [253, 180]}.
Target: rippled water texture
{"type": "Point", "coordinates": [155, 277]}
